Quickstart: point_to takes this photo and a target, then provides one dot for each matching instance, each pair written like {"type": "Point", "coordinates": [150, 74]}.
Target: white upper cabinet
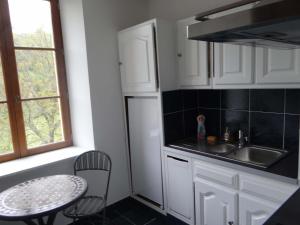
{"type": "Point", "coordinates": [192, 58]}
{"type": "Point", "coordinates": [254, 211]}
{"type": "Point", "coordinates": [215, 204]}
{"type": "Point", "coordinates": [137, 59]}
{"type": "Point", "coordinates": [277, 66]}
{"type": "Point", "coordinates": [233, 64]}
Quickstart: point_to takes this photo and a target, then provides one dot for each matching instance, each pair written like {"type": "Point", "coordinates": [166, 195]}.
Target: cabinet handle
{"type": "Point", "coordinates": [179, 55]}
{"type": "Point", "coordinates": [120, 63]}
{"type": "Point", "coordinates": [177, 159]}
{"type": "Point", "coordinates": [230, 223]}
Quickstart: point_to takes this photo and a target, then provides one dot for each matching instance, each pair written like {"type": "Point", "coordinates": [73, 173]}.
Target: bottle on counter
{"type": "Point", "coordinates": [201, 131]}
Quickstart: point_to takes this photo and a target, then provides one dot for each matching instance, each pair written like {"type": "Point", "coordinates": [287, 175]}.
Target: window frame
{"type": "Point", "coordinates": [11, 82]}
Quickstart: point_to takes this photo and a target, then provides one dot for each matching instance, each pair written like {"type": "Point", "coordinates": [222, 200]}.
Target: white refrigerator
{"type": "Point", "coordinates": [144, 141]}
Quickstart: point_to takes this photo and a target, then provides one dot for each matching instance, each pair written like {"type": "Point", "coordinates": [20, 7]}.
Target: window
{"type": "Point", "coordinates": [34, 109]}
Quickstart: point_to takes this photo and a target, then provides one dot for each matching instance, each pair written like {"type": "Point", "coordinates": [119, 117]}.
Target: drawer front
{"type": "Point", "coordinates": [266, 188]}
{"type": "Point", "coordinates": [216, 174]}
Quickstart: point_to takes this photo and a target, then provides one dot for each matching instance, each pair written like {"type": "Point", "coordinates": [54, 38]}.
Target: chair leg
{"type": "Point", "coordinates": [104, 216]}
{"type": "Point", "coordinates": [91, 221]}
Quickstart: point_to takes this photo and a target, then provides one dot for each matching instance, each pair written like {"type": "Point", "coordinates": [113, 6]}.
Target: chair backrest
{"type": "Point", "coordinates": [94, 160]}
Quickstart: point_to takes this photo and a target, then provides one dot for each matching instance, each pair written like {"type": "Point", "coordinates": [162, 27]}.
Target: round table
{"type": "Point", "coordinates": [41, 199]}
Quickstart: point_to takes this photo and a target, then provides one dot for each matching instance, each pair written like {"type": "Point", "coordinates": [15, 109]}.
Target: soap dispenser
{"type": "Point", "coordinates": [227, 135]}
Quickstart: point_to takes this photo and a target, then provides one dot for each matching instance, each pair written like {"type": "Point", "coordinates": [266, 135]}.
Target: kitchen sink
{"type": "Point", "coordinates": [257, 156]}
{"type": "Point", "coordinates": [262, 157]}
{"type": "Point", "coordinates": [216, 149]}
{"type": "Point", "coordinates": [222, 149]}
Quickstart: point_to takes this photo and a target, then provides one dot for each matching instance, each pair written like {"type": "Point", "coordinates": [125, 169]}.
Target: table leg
{"type": "Point", "coordinates": [50, 220]}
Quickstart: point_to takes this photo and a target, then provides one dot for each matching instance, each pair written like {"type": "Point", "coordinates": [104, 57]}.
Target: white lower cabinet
{"type": "Point", "coordinates": [254, 211]}
{"type": "Point", "coordinates": [222, 195]}
{"type": "Point", "coordinates": [215, 204]}
{"type": "Point", "coordinates": [179, 184]}
{"type": "Point", "coordinates": [260, 197]}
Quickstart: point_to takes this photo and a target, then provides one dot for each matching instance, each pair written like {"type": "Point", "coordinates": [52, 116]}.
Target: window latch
{"type": "Point", "coordinates": [17, 99]}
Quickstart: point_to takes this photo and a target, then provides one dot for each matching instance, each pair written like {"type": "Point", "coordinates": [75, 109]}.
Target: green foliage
{"type": "Point", "coordinates": [5, 137]}
{"type": "Point", "coordinates": [39, 39]}
{"type": "Point", "coordinates": [2, 90]}
{"type": "Point", "coordinates": [37, 78]}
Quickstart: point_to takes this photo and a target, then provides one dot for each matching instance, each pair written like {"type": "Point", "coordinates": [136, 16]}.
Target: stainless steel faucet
{"type": "Point", "coordinates": [242, 140]}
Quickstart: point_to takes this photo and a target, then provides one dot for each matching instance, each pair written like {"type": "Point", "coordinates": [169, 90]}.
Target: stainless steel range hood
{"type": "Point", "coordinates": [271, 23]}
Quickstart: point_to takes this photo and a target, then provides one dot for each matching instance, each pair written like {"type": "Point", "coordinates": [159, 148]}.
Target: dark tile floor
{"type": "Point", "coordinates": [132, 212]}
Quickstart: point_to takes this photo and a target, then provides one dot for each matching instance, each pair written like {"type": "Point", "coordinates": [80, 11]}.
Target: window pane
{"type": "Point", "coordinates": [6, 145]}
{"type": "Point", "coordinates": [31, 23]}
{"type": "Point", "coordinates": [2, 88]}
{"type": "Point", "coordinates": [43, 123]}
{"type": "Point", "coordinates": [37, 73]}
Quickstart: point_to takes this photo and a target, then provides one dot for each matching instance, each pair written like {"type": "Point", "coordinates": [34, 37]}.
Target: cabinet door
{"type": "Point", "coordinates": [192, 58]}
{"type": "Point", "coordinates": [215, 204]}
{"type": "Point", "coordinates": [233, 64]}
{"type": "Point", "coordinates": [137, 59]}
{"type": "Point", "coordinates": [254, 211]}
{"type": "Point", "coordinates": [144, 135]}
{"type": "Point", "coordinates": [275, 66]}
{"type": "Point", "coordinates": [179, 186]}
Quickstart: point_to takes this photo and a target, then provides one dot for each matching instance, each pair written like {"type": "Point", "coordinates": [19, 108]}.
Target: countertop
{"type": "Point", "coordinates": [288, 213]}
{"type": "Point", "coordinates": [287, 166]}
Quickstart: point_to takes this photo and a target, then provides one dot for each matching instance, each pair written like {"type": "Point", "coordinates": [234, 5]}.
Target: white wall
{"type": "Point", "coordinates": [103, 19]}
{"type": "Point", "coordinates": [180, 9]}
{"type": "Point", "coordinates": [77, 72]}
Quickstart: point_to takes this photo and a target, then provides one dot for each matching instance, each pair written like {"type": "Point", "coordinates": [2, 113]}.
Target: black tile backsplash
{"type": "Point", "coordinates": [267, 100]}
{"type": "Point", "coordinates": [235, 121]}
{"type": "Point", "coordinates": [269, 117]}
{"type": "Point", "coordinates": [293, 101]}
{"type": "Point", "coordinates": [172, 101]}
{"type": "Point", "coordinates": [209, 99]}
{"type": "Point", "coordinates": [190, 124]}
{"type": "Point", "coordinates": [235, 99]}
{"type": "Point", "coordinates": [189, 99]}
{"type": "Point", "coordinates": [292, 132]}
{"type": "Point", "coordinates": [267, 129]}
{"type": "Point", "coordinates": [174, 126]}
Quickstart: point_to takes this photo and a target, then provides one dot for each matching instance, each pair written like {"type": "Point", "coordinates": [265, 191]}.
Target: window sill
{"type": "Point", "coordinates": [30, 162]}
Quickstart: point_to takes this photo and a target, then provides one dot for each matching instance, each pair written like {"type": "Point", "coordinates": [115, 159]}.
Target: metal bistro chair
{"type": "Point", "coordinates": [90, 205]}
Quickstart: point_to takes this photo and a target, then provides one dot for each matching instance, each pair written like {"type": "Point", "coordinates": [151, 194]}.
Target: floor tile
{"type": "Point", "coordinates": [132, 212]}
{"type": "Point", "coordinates": [120, 221]}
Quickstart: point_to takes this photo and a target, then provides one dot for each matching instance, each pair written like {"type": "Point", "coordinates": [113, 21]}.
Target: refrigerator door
{"type": "Point", "coordinates": [144, 135]}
